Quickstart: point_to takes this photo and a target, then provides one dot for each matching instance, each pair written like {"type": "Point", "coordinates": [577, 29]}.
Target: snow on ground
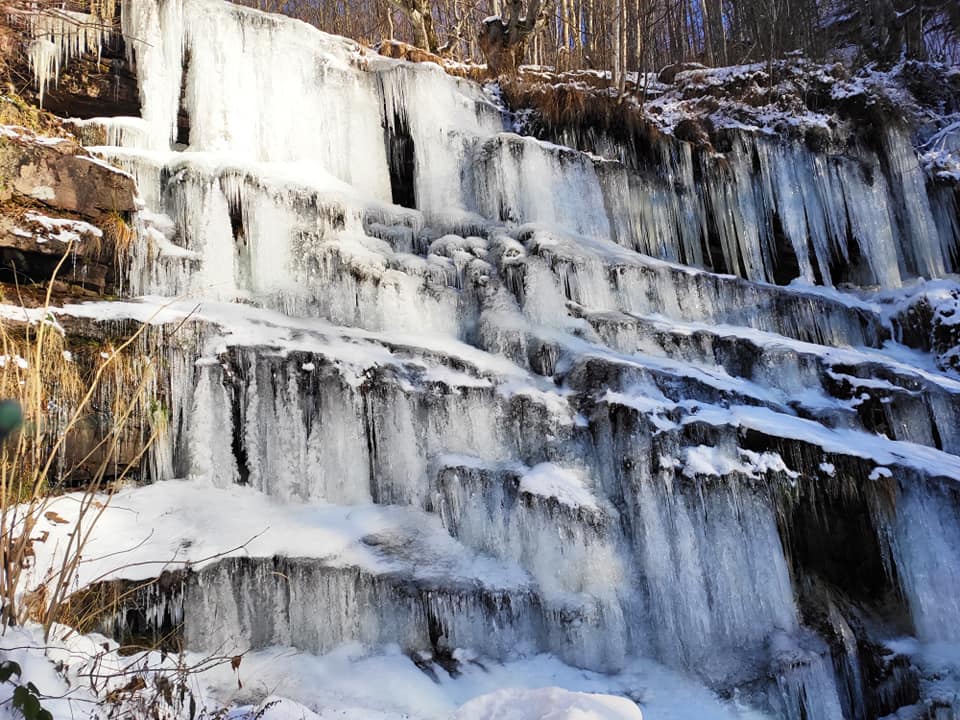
{"type": "Point", "coordinates": [389, 686]}
{"type": "Point", "coordinates": [166, 525]}
{"type": "Point", "coordinates": [171, 524]}
{"type": "Point", "coordinates": [350, 683]}
{"type": "Point", "coordinates": [547, 704]}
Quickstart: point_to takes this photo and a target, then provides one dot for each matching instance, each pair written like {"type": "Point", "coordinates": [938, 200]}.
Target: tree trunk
{"type": "Point", "coordinates": [433, 42]}
{"type": "Point", "coordinates": [419, 31]}
{"type": "Point", "coordinates": [910, 17]}
{"type": "Point", "coordinates": [707, 40]}
{"type": "Point", "coordinates": [564, 36]}
{"type": "Point", "coordinates": [622, 46]}
{"type": "Point", "coordinates": [503, 56]}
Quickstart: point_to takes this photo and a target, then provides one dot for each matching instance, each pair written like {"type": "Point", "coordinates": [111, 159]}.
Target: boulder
{"type": "Point", "coordinates": [694, 131]}
{"type": "Point", "coordinates": [32, 244]}
{"type": "Point", "coordinates": [668, 74]}
{"type": "Point", "coordinates": [59, 173]}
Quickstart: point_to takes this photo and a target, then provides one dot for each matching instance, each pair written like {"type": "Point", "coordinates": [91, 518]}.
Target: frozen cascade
{"type": "Point", "coordinates": [299, 425]}
{"type": "Point", "coordinates": [599, 409]}
{"type": "Point", "coordinates": [866, 219]}
{"type": "Point", "coordinates": [805, 686]}
{"type": "Point", "coordinates": [497, 509]}
{"type": "Point", "coordinates": [509, 176]}
{"type": "Point", "coordinates": [262, 123]}
{"type": "Point", "coordinates": [872, 214]}
{"type": "Point", "coordinates": [209, 458]}
{"type": "Point", "coordinates": [717, 577]}
{"type": "Point", "coordinates": [273, 602]}
{"type": "Point", "coordinates": [430, 153]}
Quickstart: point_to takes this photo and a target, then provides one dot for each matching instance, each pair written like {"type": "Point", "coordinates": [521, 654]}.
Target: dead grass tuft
{"type": "Point", "coordinates": [79, 408]}
{"type": "Point", "coordinates": [118, 232]}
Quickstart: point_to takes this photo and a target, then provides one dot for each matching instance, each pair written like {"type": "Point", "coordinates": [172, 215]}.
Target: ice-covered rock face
{"type": "Point", "coordinates": [584, 441]}
{"type": "Point", "coordinates": [768, 210]}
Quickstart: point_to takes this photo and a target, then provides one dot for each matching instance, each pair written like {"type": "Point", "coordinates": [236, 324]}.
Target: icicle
{"type": "Point", "coordinates": [928, 254]}
{"type": "Point", "coordinates": [925, 543]}
{"type": "Point", "coordinates": [45, 63]}
{"type": "Point", "coordinates": [210, 443]}
{"type": "Point", "coordinates": [805, 684]}
{"type": "Point", "coordinates": [567, 546]}
{"type": "Point", "coordinates": [314, 606]}
{"type": "Point", "coordinates": [153, 33]}
{"type": "Point", "coordinates": [521, 180]}
{"type": "Point", "coordinates": [715, 572]}
{"type": "Point", "coordinates": [444, 138]}
{"type": "Point", "coordinates": [59, 37]}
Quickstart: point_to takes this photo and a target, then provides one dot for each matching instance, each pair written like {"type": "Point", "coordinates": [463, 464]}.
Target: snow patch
{"type": "Point", "coordinates": [567, 486]}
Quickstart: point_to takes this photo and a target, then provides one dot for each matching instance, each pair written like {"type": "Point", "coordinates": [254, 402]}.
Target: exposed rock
{"type": "Point", "coordinates": [60, 174]}
{"type": "Point", "coordinates": [694, 131]}
{"type": "Point", "coordinates": [931, 322]}
{"type": "Point", "coordinates": [95, 87]}
{"type": "Point", "coordinates": [56, 198]}
{"type": "Point", "coordinates": [14, 110]}
{"type": "Point", "coordinates": [670, 72]}
{"type": "Point", "coordinates": [32, 244]}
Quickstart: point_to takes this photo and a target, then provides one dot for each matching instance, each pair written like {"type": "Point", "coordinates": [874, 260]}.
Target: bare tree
{"type": "Point", "coordinates": [420, 14]}
{"type": "Point", "coordinates": [630, 35]}
{"type": "Point", "coordinates": [503, 40]}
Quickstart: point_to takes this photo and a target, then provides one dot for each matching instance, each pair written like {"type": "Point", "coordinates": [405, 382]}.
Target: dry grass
{"type": "Point", "coordinates": [14, 110]}
{"type": "Point", "coordinates": [117, 232]}
{"type": "Point", "coordinates": [560, 106]}
{"type": "Point", "coordinates": [58, 394]}
{"type": "Point", "coordinates": [54, 445]}
{"type": "Point", "coordinates": [46, 387]}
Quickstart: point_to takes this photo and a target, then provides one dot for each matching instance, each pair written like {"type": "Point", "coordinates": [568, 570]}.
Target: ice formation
{"type": "Point", "coordinates": [58, 36]}
{"type": "Point", "coordinates": [524, 398]}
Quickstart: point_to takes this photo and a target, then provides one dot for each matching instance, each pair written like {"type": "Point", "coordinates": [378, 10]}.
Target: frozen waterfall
{"type": "Point", "coordinates": [599, 410]}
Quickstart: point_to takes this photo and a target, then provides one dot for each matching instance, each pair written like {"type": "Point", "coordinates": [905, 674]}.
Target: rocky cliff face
{"type": "Point", "coordinates": [58, 198]}
{"type": "Point", "coordinates": [65, 229]}
{"type": "Point", "coordinates": [618, 399]}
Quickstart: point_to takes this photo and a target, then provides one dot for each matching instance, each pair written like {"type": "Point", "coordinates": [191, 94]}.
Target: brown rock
{"type": "Point", "coordinates": [34, 239]}
{"type": "Point", "coordinates": [670, 72]}
{"type": "Point", "coordinates": [88, 87]}
{"type": "Point", "coordinates": [695, 131]}
{"type": "Point", "coordinates": [61, 174]}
